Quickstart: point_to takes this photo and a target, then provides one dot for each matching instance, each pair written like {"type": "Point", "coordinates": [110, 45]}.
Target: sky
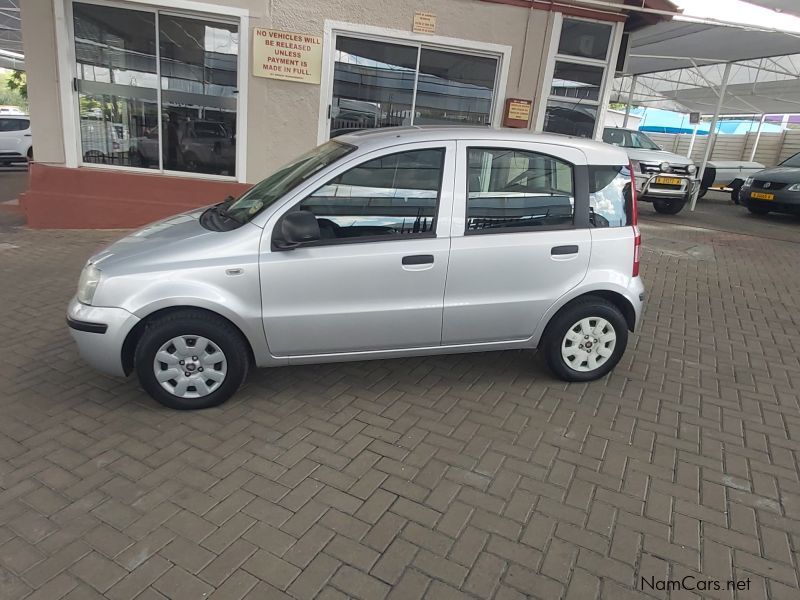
{"type": "Point", "coordinates": [737, 11]}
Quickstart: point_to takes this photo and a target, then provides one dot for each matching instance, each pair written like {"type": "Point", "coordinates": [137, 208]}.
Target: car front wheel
{"type": "Point", "coordinates": [668, 207]}
{"type": "Point", "coordinates": [191, 360]}
{"type": "Point", "coordinates": [585, 340]}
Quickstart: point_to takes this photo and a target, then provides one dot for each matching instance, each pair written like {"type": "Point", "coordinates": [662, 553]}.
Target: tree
{"type": "Point", "coordinates": [18, 81]}
{"type": "Point", "coordinates": [9, 95]}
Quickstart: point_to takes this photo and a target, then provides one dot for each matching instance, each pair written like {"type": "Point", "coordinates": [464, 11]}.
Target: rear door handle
{"type": "Point", "coordinates": [418, 259]}
{"type": "Point", "coordinates": [561, 250]}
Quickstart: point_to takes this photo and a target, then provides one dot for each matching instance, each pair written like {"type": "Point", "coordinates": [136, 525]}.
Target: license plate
{"type": "Point", "coordinates": [668, 180]}
{"type": "Point", "coordinates": [762, 196]}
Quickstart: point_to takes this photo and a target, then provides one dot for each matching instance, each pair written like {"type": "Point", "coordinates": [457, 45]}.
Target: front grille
{"type": "Point", "coordinates": [773, 185]}
{"type": "Point", "coordinates": [679, 170]}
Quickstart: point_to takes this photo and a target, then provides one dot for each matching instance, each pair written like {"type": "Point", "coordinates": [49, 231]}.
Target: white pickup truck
{"type": "Point", "coordinates": [728, 175]}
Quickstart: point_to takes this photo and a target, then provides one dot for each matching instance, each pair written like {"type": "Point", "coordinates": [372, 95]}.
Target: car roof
{"type": "Point", "coordinates": [14, 116]}
{"type": "Point", "coordinates": [389, 136]}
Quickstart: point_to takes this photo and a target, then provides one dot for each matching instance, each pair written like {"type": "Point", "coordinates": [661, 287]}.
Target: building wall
{"type": "Point", "coordinates": [282, 116]}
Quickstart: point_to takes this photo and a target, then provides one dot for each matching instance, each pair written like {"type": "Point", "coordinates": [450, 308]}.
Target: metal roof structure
{"type": "Point", "coordinates": [10, 35]}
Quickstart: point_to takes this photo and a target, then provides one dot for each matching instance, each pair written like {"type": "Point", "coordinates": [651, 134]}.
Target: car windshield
{"type": "Point", "coordinates": [792, 161]}
{"type": "Point", "coordinates": [629, 139]}
{"type": "Point", "coordinates": [263, 194]}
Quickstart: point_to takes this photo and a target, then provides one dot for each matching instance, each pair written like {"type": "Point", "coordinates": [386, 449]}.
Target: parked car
{"type": "Point", "coordinates": [16, 144]}
{"type": "Point", "coordinates": [774, 190]}
{"type": "Point", "coordinates": [378, 244]}
{"type": "Point", "coordinates": [194, 146]}
{"type": "Point", "coordinates": [728, 175]}
{"type": "Point", "coordinates": [663, 178]}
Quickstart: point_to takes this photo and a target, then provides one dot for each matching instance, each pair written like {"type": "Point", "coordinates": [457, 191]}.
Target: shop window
{"type": "Point", "coordinates": [513, 189]}
{"type": "Point", "coordinates": [580, 68]}
{"type": "Point", "coordinates": [156, 90]}
{"type": "Point", "coordinates": [382, 84]}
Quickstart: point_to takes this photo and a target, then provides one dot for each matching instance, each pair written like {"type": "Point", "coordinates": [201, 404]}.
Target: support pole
{"type": "Point", "coordinates": [712, 132]}
{"type": "Point", "coordinates": [758, 137]}
{"type": "Point", "coordinates": [694, 137]}
{"type": "Point", "coordinates": [630, 101]}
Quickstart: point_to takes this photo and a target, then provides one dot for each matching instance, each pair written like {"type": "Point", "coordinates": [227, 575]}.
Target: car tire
{"type": "Point", "coordinates": [166, 349]}
{"type": "Point", "coordinates": [588, 316]}
{"type": "Point", "coordinates": [758, 209]}
{"type": "Point", "coordinates": [736, 186]}
{"type": "Point", "coordinates": [702, 192]}
{"type": "Point", "coordinates": [669, 207]}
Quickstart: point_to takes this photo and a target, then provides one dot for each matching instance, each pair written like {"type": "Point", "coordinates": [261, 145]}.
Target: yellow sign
{"type": "Point", "coordinates": [424, 22]}
{"type": "Point", "coordinates": [519, 111]}
{"type": "Point", "coordinates": [288, 56]}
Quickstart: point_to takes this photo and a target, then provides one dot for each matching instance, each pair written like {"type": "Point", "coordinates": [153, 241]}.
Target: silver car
{"type": "Point", "coordinates": [398, 242]}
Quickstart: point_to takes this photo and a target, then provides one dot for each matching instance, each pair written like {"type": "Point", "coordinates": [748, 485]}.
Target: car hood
{"type": "Point", "coordinates": [155, 237]}
{"type": "Point", "coordinates": [657, 156]}
{"type": "Point", "coordinates": [779, 174]}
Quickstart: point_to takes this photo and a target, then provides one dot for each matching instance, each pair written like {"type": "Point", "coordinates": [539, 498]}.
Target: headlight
{"type": "Point", "coordinates": [87, 284]}
{"type": "Point", "coordinates": [691, 169]}
{"type": "Point", "coordinates": [664, 166]}
{"type": "Point", "coordinates": [795, 187]}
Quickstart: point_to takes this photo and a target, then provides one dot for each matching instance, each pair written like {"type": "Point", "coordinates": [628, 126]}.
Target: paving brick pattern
{"type": "Point", "coordinates": [473, 476]}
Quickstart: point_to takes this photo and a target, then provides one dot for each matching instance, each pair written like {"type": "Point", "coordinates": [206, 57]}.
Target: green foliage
{"type": "Point", "coordinates": [13, 89]}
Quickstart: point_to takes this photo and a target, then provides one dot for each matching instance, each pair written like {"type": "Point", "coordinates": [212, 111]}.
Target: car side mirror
{"type": "Point", "coordinates": [298, 227]}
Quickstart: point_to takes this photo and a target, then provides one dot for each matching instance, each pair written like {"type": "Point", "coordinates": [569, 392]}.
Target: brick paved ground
{"type": "Point", "coordinates": [466, 476]}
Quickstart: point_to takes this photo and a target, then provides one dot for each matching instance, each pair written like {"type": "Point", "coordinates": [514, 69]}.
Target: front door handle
{"type": "Point", "coordinates": [418, 259]}
{"type": "Point", "coordinates": [562, 250]}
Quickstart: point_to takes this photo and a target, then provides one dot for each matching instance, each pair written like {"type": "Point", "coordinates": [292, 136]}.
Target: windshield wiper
{"type": "Point", "coordinates": [222, 210]}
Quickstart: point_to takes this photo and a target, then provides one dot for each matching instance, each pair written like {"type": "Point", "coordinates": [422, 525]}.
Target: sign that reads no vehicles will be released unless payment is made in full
{"type": "Point", "coordinates": [286, 55]}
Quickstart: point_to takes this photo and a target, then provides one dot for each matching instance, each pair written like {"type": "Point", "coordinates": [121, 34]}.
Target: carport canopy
{"type": "Point", "coordinates": [691, 65]}
{"type": "Point", "coordinates": [11, 35]}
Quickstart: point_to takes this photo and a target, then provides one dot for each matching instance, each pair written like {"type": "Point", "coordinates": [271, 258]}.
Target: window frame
{"type": "Point", "coordinates": [607, 64]}
{"type": "Point", "coordinates": [574, 157]}
{"type": "Point", "coordinates": [68, 71]}
{"type": "Point", "coordinates": [333, 29]}
{"type": "Point", "coordinates": [444, 202]}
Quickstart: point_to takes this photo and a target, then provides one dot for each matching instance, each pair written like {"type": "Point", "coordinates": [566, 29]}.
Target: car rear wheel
{"type": "Point", "coordinates": [669, 207]}
{"type": "Point", "coordinates": [191, 360]}
{"type": "Point", "coordinates": [585, 340]}
{"type": "Point", "coordinates": [758, 209]}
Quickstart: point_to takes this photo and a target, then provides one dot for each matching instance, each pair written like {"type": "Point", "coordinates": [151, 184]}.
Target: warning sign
{"type": "Point", "coordinates": [288, 56]}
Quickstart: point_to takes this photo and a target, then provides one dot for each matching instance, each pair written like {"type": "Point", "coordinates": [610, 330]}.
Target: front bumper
{"type": "Point", "coordinates": [100, 332]}
{"type": "Point", "coordinates": [649, 189]}
{"type": "Point", "coordinates": [783, 201]}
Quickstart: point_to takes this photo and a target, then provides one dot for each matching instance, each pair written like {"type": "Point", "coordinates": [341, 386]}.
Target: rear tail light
{"type": "Point", "coordinates": [637, 236]}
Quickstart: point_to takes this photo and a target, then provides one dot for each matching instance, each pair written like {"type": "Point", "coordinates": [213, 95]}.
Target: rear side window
{"type": "Point", "coordinates": [513, 189]}
{"type": "Point", "coordinates": [610, 196]}
{"type": "Point", "coordinates": [14, 124]}
{"type": "Point", "coordinates": [394, 195]}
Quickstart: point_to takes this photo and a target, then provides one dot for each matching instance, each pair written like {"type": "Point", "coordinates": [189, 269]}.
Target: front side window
{"type": "Point", "coordinates": [156, 90]}
{"type": "Point", "coordinates": [792, 161]}
{"type": "Point", "coordinates": [513, 189]}
{"type": "Point", "coordinates": [396, 195]}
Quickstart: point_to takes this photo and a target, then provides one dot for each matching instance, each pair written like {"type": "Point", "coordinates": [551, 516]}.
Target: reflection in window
{"type": "Point", "coordinates": [609, 196]}
{"type": "Point", "coordinates": [577, 81]}
{"type": "Point", "coordinates": [373, 85]}
{"type": "Point", "coordinates": [394, 195]}
{"type": "Point", "coordinates": [584, 38]}
{"type": "Point", "coordinates": [198, 83]}
{"type": "Point", "coordinates": [454, 88]}
{"type": "Point", "coordinates": [570, 118]}
{"type": "Point", "coordinates": [374, 82]}
{"type": "Point", "coordinates": [118, 77]}
{"type": "Point", "coordinates": [509, 189]}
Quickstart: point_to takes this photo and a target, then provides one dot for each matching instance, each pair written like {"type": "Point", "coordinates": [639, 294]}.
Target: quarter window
{"type": "Point", "coordinates": [392, 196]}
{"type": "Point", "coordinates": [513, 189]}
{"type": "Point", "coordinates": [610, 196]}
{"type": "Point", "coordinates": [14, 124]}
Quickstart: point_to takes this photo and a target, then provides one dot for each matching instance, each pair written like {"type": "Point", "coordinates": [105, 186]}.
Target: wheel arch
{"type": "Point", "coordinates": [616, 298]}
{"type": "Point", "coordinates": [135, 334]}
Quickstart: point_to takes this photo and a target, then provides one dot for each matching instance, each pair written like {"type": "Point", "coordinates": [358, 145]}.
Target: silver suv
{"type": "Point", "coordinates": [408, 241]}
{"type": "Point", "coordinates": [663, 178]}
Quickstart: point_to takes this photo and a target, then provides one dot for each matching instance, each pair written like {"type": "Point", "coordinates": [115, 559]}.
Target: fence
{"type": "Point", "coordinates": [772, 147]}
